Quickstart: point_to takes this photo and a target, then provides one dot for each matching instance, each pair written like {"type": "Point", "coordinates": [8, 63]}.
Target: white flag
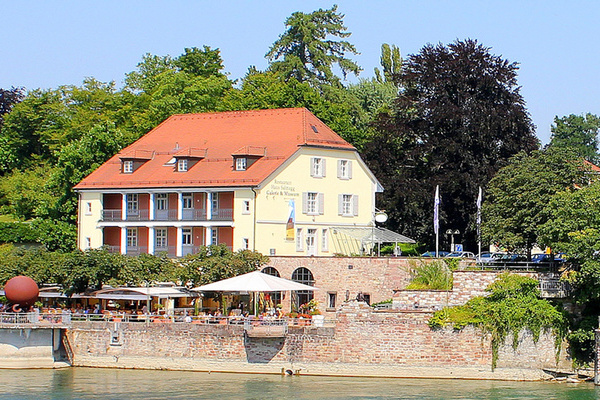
{"type": "Point", "coordinates": [436, 210]}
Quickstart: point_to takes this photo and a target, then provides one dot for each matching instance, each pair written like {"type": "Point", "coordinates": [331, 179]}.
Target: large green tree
{"type": "Point", "coordinates": [578, 133]}
{"type": "Point", "coordinates": [516, 205]}
{"type": "Point", "coordinates": [307, 50]}
{"type": "Point", "coordinates": [458, 118]}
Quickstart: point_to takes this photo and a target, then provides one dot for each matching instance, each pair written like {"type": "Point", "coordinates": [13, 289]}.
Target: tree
{"type": "Point", "coordinates": [8, 98]}
{"type": "Point", "coordinates": [306, 52]}
{"type": "Point", "coordinates": [204, 63]}
{"type": "Point", "coordinates": [517, 197]}
{"type": "Point", "coordinates": [579, 133]}
{"type": "Point", "coordinates": [457, 120]}
{"type": "Point", "coordinates": [391, 63]}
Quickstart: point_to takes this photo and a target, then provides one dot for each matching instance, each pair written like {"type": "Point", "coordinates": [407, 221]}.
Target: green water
{"type": "Point", "coordinates": [101, 384]}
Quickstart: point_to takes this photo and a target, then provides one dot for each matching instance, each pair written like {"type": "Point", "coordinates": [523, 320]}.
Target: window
{"type": "Point", "coordinates": [132, 204]}
{"type": "Point", "coordinates": [317, 168]}
{"type": "Point", "coordinates": [162, 201]}
{"type": "Point", "coordinates": [127, 166]}
{"type": "Point", "coordinates": [344, 169]}
{"type": "Point", "coordinates": [271, 271]}
{"type": "Point", "coordinates": [299, 240]}
{"type": "Point", "coordinates": [215, 201]}
{"type": "Point", "coordinates": [186, 236]}
{"type": "Point", "coordinates": [325, 240]}
{"type": "Point", "coordinates": [214, 238]}
{"type": "Point", "coordinates": [241, 163]}
{"type": "Point", "coordinates": [187, 200]}
{"type": "Point", "coordinates": [302, 275]}
{"type": "Point", "coordinates": [88, 242]}
{"type": "Point", "coordinates": [348, 205]}
{"type": "Point", "coordinates": [246, 207]}
{"type": "Point", "coordinates": [245, 243]}
{"type": "Point", "coordinates": [182, 165]}
{"type": "Point", "coordinates": [331, 299]}
{"type": "Point", "coordinates": [88, 208]}
{"type": "Point", "coordinates": [313, 203]}
{"type": "Point", "coordinates": [160, 238]}
{"type": "Point", "coordinates": [132, 237]}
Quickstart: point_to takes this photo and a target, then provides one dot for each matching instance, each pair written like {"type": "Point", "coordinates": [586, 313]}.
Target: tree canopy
{"type": "Point", "coordinates": [306, 51]}
{"type": "Point", "coordinates": [458, 118]}
{"type": "Point", "coordinates": [578, 133]}
{"type": "Point", "coordinates": [517, 200]}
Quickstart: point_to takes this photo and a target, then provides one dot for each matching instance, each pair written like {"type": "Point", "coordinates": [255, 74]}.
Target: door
{"type": "Point", "coordinates": [311, 242]}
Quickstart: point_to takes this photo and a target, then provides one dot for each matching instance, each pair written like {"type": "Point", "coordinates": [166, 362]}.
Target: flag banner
{"type": "Point", "coordinates": [436, 210]}
{"type": "Point", "coordinates": [291, 221]}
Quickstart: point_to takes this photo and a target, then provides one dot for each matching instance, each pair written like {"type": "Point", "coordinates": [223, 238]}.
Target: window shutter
{"type": "Point", "coordinates": [321, 201]}
{"type": "Point", "coordinates": [312, 167]}
{"type": "Point", "coordinates": [339, 169]}
{"type": "Point", "coordinates": [304, 202]}
{"type": "Point", "coordinates": [349, 169]}
{"type": "Point", "coordinates": [299, 240]}
{"type": "Point", "coordinates": [355, 204]}
{"type": "Point", "coordinates": [323, 167]}
{"type": "Point", "coordinates": [340, 204]}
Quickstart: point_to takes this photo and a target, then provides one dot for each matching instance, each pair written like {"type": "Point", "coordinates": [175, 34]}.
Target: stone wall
{"type": "Point", "coordinates": [362, 342]}
{"type": "Point", "coordinates": [347, 276]}
{"type": "Point", "coordinates": [467, 284]}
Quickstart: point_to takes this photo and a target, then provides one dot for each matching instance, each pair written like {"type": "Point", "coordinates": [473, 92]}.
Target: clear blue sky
{"type": "Point", "coordinates": [50, 43]}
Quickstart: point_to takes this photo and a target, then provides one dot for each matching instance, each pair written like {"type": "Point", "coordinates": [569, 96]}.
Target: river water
{"type": "Point", "coordinates": [101, 384]}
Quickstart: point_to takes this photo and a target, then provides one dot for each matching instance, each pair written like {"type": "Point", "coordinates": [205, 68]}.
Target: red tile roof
{"type": "Point", "coordinates": [280, 132]}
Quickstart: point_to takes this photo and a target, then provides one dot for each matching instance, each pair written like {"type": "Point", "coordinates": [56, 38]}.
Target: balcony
{"type": "Point", "coordinates": [220, 214]}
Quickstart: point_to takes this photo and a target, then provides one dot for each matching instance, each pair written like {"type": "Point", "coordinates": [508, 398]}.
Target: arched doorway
{"type": "Point", "coordinates": [275, 297]}
{"type": "Point", "coordinates": [302, 275]}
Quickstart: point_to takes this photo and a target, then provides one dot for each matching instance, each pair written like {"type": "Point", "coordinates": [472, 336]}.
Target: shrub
{"type": "Point", "coordinates": [432, 275]}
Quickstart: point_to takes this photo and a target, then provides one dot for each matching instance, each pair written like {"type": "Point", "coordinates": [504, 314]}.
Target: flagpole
{"type": "Point", "coordinates": [436, 219]}
{"type": "Point", "coordinates": [479, 199]}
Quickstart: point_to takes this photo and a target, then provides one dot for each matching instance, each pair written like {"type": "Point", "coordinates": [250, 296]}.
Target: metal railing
{"type": "Point", "coordinates": [219, 214]}
{"type": "Point", "coordinates": [519, 265]}
{"type": "Point", "coordinates": [35, 318]}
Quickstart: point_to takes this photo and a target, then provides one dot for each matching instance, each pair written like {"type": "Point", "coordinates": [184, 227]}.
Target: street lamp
{"type": "Point", "coordinates": [381, 217]}
{"type": "Point", "coordinates": [452, 233]}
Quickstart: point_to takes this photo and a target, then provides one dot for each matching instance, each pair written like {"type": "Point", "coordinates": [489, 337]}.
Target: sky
{"type": "Point", "coordinates": [51, 43]}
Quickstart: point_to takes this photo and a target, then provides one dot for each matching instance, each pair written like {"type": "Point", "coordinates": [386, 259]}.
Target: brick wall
{"type": "Point", "coordinates": [362, 342]}
{"type": "Point", "coordinates": [467, 284]}
{"type": "Point", "coordinates": [347, 276]}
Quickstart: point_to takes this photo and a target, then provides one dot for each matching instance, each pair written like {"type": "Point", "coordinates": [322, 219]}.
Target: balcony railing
{"type": "Point", "coordinates": [220, 214]}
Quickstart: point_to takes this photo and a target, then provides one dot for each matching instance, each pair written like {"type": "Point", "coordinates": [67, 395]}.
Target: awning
{"type": "Point", "coordinates": [141, 293]}
{"type": "Point", "coordinates": [372, 235]}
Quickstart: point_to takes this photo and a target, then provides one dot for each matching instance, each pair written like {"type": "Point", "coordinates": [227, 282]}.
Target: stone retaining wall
{"type": "Point", "coordinates": [467, 284]}
{"type": "Point", "coordinates": [362, 343]}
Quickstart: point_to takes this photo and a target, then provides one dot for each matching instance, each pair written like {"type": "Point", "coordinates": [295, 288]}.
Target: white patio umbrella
{"type": "Point", "coordinates": [254, 282]}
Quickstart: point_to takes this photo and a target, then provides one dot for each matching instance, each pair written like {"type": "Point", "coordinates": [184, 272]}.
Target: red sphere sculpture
{"type": "Point", "coordinates": [21, 290]}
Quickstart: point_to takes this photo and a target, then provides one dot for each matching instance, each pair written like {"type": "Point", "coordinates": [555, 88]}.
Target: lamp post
{"type": "Point", "coordinates": [452, 233]}
{"type": "Point", "coordinates": [381, 217]}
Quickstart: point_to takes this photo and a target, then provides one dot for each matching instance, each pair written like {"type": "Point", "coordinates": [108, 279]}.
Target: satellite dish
{"type": "Point", "coordinates": [381, 217]}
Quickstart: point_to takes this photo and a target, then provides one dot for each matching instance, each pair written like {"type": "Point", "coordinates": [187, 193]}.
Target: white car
{"type": "Point", "coordinates": [461, 254]}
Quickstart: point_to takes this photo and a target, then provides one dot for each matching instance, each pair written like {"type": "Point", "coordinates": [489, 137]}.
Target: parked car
{"type": "Point", "coordinates": [432, 254]}
{"type": "Point", "coordinates": [544, 258]}
{"type": "Point", "coordinates": [487, 257]}
{"type": "Point", "coordinates": [461, 254]}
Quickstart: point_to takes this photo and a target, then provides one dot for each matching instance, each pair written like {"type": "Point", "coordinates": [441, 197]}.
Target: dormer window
{"type": "Point", "coordinates": [241, 163]}
{"type": "Point", "coordinates": [128, 166]}
{"type": "Point", "coordinates": [182, 165]}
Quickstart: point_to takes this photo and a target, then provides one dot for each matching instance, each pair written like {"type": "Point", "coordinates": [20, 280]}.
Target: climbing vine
{"type": "Point", "coordinates": [513, 304]}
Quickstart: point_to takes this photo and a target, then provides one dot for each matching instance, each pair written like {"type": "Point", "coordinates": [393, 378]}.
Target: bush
{"type": "Point", "coordinates": [431, 275]}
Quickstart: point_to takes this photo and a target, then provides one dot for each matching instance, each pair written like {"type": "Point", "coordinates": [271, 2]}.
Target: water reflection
{"type": "Point", "coordinates": [101, 384]}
